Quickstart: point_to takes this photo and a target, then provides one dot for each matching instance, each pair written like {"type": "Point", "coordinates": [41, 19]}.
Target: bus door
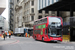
{"type": "Point", "coordinates": [41, 33]}
{"type": "Point", "coordinates": [46, 33]}
{"type": "Point", "coordinates": [38, 34]}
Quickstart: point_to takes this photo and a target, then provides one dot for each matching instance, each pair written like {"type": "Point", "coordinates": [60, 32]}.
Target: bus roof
{"type": "Point", "coordinates": [45, 17]}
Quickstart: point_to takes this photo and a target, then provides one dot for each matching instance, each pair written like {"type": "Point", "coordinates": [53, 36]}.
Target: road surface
{"type": "Point", "coordinates": [23, 43]}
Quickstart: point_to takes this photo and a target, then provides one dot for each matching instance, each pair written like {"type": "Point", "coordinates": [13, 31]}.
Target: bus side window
{"type": "Point", "coordinates": [46, 31]}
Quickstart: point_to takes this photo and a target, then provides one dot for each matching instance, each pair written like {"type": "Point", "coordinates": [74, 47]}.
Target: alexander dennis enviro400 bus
{"type": "Point", "coordinates": [48, 29]}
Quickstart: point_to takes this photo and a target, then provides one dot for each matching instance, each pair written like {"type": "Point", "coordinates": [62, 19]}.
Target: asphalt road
{"type": "Point", "coordinates": [23, 43]}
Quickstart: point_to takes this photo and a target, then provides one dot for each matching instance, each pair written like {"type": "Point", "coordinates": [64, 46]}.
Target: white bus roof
{"type": "Point", "coordinates": [45, 17]}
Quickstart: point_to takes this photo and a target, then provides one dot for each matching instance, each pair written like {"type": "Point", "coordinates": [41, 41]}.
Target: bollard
{"type": "Point", "coordinates": [28, 35]}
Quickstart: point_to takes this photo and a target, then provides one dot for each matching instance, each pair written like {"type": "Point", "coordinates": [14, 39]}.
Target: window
{"type": "Point", "coordinates": [17, 0]}
{"type": "Point", "coordinates": [45, 2]}
{"type": "Point", "coordinates": [37, 31]}
{"type": "Point", "coordinates": [39, 17]}
{"type": "Point", "coordinates": [42, 3]}
{"type": "Point", "coordinates": [36, 27]}
{"type": "Point", "coordinates": [23, 19]}
{"type": "Point", "coordinates": [56, 0]}
{"type": "Point", "coordinates": [27, 18]}
{"type": "Point", "coordinates": [25, 6]}
{"type": "Point", "coordinates": [39, 4]}
{"type": "Point", "coordinates": [40, 21]}
{"type": "Point", "coordinates": [48, 2]}
{"type": "Point", "coordinates": [44, 20]}
{"type": "Point", "coordinates": [32, 10]}
{"type": "Point", "coordinates": [46, 15]}
{"type": "Point", "coordinates": [52, 1]}
{"type": "Point", "coordinates": [32, 18]}
{"type": "Point", "coordinates": [0, 27]}
{"type": "Point", "coordinates": [46, 31]}
{"type": "Point", "coordinates": [32, 3]}
{"type": "Point", "coordinates": [53, 12]}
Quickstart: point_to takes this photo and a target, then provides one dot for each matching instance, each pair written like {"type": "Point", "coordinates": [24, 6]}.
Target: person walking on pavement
{"type": "Point", "coordinates": [0, 34]}
{"type": "Point", "coordinates": [9, 35]}
{"type": "Point", "coordinates": [4, 35]}
{"type": "Point", "coordinates": [26, 34]}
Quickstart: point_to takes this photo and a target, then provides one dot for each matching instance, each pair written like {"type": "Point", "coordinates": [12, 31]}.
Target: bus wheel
{"type": "Point", "coordinates": [42, 38]}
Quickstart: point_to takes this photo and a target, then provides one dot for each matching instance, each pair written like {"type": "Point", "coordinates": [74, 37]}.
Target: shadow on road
{"type": "Point", "coordinates": [54, 42]}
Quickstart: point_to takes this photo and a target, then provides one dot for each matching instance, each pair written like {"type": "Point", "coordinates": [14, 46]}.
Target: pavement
{"type": "Point", "coordinates": [7, 41]}
{"type": "Point", "coordinates": [67, 41]}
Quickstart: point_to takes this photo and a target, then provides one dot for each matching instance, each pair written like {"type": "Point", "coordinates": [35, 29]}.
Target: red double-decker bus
{"type": "Point", "coordinates": [48, 29]}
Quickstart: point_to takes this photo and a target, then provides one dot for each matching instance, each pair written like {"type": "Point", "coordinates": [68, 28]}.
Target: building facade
{"type": "Point", "coordinates": [22, 13]}
{"type": "Point", "coordinates": [2, 6]}
{"type": "Point", "coordinates": [26, 12]}
{"type": "Point", "coordinates": [11, 14]}
{"type": "Point", "coordinates": [45, 3]}
{"type": "Point", "coordinates": [3, 24]}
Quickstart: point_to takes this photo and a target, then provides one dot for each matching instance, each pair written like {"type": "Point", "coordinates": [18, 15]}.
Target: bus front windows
{"type": "Point", "coordinates": [54, 32]}
{"type": "Point", "coordinates": [54, 28]}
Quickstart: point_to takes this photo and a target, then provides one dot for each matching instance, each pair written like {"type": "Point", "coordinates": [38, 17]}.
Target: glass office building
{"type": "Point", "coordinates": [45, 3]}
{"type": "Point", "coordinates": [2, 23]}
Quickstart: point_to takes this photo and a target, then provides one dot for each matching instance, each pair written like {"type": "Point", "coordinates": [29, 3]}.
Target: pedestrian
{"type": "Point", "coordinates": [26, 34]}
{"type": "Point", "coordinates": [0, 34]}
{"type": "Point", "coordinates": [4, 35]}
{"type": "Point", "coordinates": [9, 35]}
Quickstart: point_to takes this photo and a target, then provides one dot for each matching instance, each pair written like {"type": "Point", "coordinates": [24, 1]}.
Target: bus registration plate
{"type": "Point", "coordinates": [55, 38]}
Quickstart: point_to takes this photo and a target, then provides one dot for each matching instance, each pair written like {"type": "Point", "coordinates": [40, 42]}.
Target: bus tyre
{"type": "Point", "coordinates": [42, 39]}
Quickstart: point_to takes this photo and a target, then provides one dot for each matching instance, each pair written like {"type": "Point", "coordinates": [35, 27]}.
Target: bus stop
{"type": "Point", "coordinates": [64, 5]}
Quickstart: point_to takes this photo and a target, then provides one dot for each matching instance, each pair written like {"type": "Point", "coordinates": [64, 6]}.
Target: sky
{"type": "Point", "coordinates": [5, 12]}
